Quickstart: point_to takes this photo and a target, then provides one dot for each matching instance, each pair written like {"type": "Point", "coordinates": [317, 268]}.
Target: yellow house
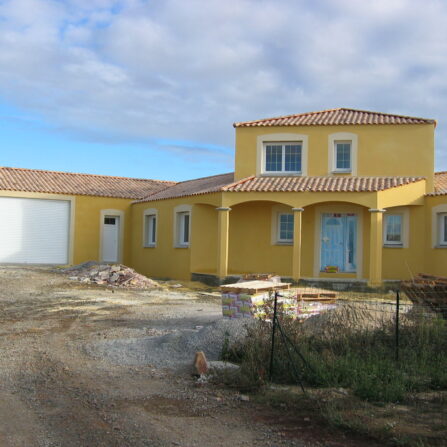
{"type": "Point", "coordinates": [338, 195]}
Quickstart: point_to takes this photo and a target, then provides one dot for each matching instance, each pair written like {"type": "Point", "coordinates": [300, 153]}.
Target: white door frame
{"type": "Point", "coordinates": [112, 213]}
{"type": "Point", "coordinates": [343, 209]}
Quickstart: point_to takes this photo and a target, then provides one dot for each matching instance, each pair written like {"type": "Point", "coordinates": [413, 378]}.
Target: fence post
{"type": "Point", "coordinates": [397, 326]}
{"type": "Point", "coordinates": [272, 353]}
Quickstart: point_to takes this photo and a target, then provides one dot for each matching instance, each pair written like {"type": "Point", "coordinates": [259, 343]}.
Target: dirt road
{"type": "Point", "coordinates": [88, 366]}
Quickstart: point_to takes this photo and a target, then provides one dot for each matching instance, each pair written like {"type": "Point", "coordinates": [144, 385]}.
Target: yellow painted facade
{"type": "Point", "coordinates": [383, 150]}
{"type": "Point", "coordinates": [240, 241]}
{"type": "Point", "coordinates": [232, 233]}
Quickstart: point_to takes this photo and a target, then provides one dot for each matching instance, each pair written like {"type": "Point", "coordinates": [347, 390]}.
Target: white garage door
{"type": "Point", "coordinates": [34, 231]}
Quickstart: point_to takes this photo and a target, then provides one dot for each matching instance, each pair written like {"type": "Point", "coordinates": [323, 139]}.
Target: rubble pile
{"type": "Point", "coordinates": [116, 275]}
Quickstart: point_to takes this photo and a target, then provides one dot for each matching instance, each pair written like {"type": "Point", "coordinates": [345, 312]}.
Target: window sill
{"type": "Point", "coordinates": [283, 243]}
{"type": "Point", "coordinates": [393, 246]}
{"type": "Point", "coordinates": [281, 174]}
{"type": "Point", "coordinates": [150, 246]}
{"type": "Point", "coordinates": [181, 246]}
{"type": "Point", "coordinates": [440, 246]}
{"type": "Point", "coordinates": [339, 171]}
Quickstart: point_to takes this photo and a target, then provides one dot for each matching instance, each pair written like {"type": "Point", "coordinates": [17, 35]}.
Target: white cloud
{"type": "Point", "coordinates": [133, 69]}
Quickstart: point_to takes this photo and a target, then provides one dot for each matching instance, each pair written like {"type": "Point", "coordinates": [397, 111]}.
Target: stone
{"type": "Point", "coordinates": [103, 275]}
{"type": "Point", "coordinates": [244, 398]}
{"type": "Point", "coordinates": [220, 366]}
{"type": "Point", "coordinates": [115, 268]}
{"type": "Point", "coordinates": [114, 277]}
{"type": "Point", "coordinates": [200, 363]}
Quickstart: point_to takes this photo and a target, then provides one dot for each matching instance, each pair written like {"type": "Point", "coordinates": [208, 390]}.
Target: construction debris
{"type": "Point", "coordinates": [116, 275]}
{"type": "Point", "coordinates": [428, 290]}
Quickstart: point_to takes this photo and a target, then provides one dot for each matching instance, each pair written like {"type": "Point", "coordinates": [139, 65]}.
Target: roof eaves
{"type": "Point", "coordinates": [85, 174]}
{"type": "Point", "coordinates": [239, 182]}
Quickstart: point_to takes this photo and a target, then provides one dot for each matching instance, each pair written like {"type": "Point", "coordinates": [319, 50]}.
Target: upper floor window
{"type": "Point", "coordinates": [393, 234]}
{"type": "Point", "coordinates": [343, 156]}
{"type": "Point", "coordinates": [285, 227]}
{"type": "Point", "coordinates": [342, 153]}
{"type": "Point", "coordinates": [283, 158]}
{"type": "Point", "coordinates": [443, 229]}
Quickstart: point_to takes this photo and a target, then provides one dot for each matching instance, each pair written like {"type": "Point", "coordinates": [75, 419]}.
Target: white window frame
{"type": "Point", "coordinates": [385, 227]}
{"type": "Point", "coordinates": [442, 224]}
{"type": "Point", "coordinates": [277, 210]}
{"type": "Point", "coordinates": [283, 156]}
{"type": "Point", "coordinates": [279, 239]}
{"type": "Point", "coordinates": [336, 168]}
{"type": "Point", "coordinates": [281, 138]}
{"type": "Point", "coordinates": [182, 218]}
{"type": "Point", "coordinates": [179, 236]}
{"type": "Point", "coordinates": [342, 137]}
{"type": "Point", "coordinates": [147, 215]}
{"type": "Point", "coordinates": [405, 227]}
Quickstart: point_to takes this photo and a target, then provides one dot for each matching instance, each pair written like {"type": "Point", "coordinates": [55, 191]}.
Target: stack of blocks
{"type": "Point", "coordinates": [242, 305]}
{"type": "Point", "coordinates": [238, 302]}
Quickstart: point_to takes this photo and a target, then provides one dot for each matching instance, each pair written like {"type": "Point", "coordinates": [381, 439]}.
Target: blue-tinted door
{"type": "Point", "coordinates": [338, 242]}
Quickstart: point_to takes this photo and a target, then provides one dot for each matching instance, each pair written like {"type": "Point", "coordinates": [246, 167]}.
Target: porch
{"type": "Point", "coordinates": [336, 242]}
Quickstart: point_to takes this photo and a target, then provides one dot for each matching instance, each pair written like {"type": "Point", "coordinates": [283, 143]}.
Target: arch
{"type": "Point", "coordinates": [303, 199]}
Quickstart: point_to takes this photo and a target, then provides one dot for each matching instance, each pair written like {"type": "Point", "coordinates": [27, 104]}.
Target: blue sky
{"type": "Point", "coordinates": [147, 88]}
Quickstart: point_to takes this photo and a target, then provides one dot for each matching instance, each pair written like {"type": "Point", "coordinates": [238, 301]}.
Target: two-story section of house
{"type": "Point", "coordinates": [339, 194]}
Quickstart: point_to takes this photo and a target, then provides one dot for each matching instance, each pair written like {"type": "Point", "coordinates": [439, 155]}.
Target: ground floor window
{"type": "Point", "coordinates": [183, 220]}
{"type": "Point", "coordinates": [393, 230]}
{"type": "Point", "coordinates": [150, 230]}
{"type": "Point", "coordinates": [443, 229]}
{"type": "Point", "coordinates": [285, 228]}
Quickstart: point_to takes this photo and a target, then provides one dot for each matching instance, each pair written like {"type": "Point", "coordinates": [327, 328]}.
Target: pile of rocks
{"type": "Point", "coordinates": [116, 275]}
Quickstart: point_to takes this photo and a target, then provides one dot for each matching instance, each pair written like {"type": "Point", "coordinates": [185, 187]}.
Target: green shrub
{"type": "Point", "coordinates": [343, 352]}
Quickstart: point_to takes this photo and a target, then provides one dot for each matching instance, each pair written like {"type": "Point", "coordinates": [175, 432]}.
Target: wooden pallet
{"type": "Point", "coordinates": [313, 294]}
{"type": "Point", "coordinates": [428, 290]}
{"type": "Point", "coordinates": [254, 287]}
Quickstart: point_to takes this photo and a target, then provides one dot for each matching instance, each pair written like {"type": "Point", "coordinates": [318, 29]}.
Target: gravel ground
{"type": "Point", "coordinates": [170, 349]}
{"type": "Point", "coordinates": [84, 365]}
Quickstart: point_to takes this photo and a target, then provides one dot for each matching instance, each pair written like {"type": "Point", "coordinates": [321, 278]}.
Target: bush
{"type": "Point", "coordinates": [346, 348]}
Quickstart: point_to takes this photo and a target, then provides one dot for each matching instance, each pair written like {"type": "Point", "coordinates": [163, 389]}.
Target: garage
{"type": "Point", "coordinates": [34, 231]}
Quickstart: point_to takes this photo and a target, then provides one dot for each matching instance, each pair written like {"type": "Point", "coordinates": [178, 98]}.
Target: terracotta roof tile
{"type": "Point", "coordinates": [224, 183]}
{"type": "Point", "coordinates": [335, 117]}
{"type": "Point", "coordinates": [319, 184]}
{"type": "Point", "coordinates": [440, 184]}
{"type": "Point", "coordinates": [33, 180]}
{"type": "Point", "coordinates": [194, 187]}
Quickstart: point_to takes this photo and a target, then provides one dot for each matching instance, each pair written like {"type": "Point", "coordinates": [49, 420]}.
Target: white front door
{"type": "Point", "coordinates": [110, 239]}
{"type": "Point", "coordinates": [338, 242]}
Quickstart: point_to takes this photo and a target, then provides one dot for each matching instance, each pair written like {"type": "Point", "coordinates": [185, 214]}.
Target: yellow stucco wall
{"type": "Point", "coordinates": [165, 260]}
{"type": "Point", "coordinates": [87, 228]}
{"type": "Point", "coordinates": [435, 256]}
{"type": "Point", "coordinates": [404, 262]}
{"type": "Point", "coordinates": [383, 150]}
{"type": "Point", "coordinates": [85, 222]}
